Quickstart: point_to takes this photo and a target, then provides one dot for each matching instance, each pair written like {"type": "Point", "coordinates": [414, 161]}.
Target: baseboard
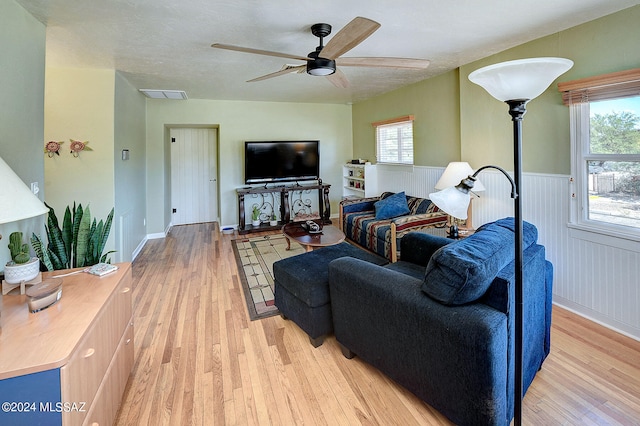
{"type": "Point", "coordinates": [598, 318]}
{"type": "Point", "coordinates": [138, 249]}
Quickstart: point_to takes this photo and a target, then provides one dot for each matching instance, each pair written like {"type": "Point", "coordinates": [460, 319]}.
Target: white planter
{"type": "Point", "coordinates": [15, 274]}
{"type": "Point", "coordinates": [255, 223]}
{"type": "Point", "coordinates": [273, 222]}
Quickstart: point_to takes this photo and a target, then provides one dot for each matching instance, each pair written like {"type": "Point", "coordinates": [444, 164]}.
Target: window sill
{"type": "Point", "coordinates": [396, 166]}
{"type": "Point", "coordinates": [600, 235]}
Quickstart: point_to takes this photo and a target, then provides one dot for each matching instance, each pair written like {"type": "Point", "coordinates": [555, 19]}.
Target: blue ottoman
{"type": "Point", "coordinates": [302, 287]}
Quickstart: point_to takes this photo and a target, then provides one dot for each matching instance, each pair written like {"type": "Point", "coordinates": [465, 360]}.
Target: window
{"type": "Point", "coordinates": [605, 137]}
{"type": "Point", "coordinates": [394, 140]}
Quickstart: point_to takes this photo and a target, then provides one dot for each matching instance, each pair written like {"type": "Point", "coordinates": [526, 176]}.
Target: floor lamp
{"type": "Point", "coordinates": [516, 83]}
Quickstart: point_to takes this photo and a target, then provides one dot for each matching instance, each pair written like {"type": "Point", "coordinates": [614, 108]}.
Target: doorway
{"type": "Point", "coordinates": [194, 175]}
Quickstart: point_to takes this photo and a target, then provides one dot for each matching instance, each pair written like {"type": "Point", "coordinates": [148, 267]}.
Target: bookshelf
{"type": "Point", "coordinates": [359, 180]}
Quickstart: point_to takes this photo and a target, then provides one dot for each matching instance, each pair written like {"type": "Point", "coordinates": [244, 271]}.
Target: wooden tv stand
{"type": "Point", "coordinates": [285, 193]}
{"type": "Point", "coordinates": [69, 363]}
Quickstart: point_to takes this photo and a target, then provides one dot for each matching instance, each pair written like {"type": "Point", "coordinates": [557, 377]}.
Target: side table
{"type": "Point", "coordinates": [329, 236]}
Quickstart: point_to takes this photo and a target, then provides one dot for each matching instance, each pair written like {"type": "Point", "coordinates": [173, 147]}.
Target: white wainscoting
{"type": "Point", "coordinates": [593, 279]}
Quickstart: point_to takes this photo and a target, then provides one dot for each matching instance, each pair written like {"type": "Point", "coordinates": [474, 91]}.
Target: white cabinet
{"type": "Point", "coordinates": [359, 180]}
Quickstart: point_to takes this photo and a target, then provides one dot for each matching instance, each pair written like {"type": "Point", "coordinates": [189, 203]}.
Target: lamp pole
{"type": "Point", "coordinates": [517, 110]}
{"type": "Point", "coordinates": [516, 83]}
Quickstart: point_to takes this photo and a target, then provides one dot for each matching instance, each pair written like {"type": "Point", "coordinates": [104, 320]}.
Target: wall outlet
{"type": "Point", "coordinates": [35, 188]}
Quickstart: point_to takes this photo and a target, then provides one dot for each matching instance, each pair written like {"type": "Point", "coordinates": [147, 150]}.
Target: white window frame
{"type": "Point", "coordinates": [577, 94]}
{"type": "Point", "coordinates": [592, 230]}
{"type": "Point", "coordinates": [399, 124]}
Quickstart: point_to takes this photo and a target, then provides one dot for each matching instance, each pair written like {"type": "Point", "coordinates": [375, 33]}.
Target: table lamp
{"type": "Point", "coordinates": [17, 202]}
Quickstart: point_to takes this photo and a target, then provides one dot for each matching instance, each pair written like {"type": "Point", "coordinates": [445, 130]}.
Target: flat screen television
{"type": "Point", "coordinates": [281, 161]}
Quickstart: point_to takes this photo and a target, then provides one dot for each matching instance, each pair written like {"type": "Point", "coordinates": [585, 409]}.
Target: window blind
{"type": "Point", "coordinates": [620, 84]}
{"type": "Point", "coordinates": [394, 140]}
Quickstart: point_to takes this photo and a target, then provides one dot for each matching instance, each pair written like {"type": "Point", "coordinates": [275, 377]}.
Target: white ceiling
{"type": "Point", "coordinates": [165, 44]}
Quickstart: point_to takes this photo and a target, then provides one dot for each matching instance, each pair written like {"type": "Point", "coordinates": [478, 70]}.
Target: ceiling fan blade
{"type": "Point", "coordinates": [258, 51]}
{"type": "Point", "coordinates": [383, 62]}
{"type": "Point", "coordinates": [338, 79]}
{"type": "Point", "coordinates": [287, 69]}
{"type": "Point", "coordinates": [354, 33]}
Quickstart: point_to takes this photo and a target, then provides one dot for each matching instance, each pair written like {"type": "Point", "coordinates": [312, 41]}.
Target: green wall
{"type": "Point", "coordinates": [435, 105]}
{"type": "Point", "coordinates": [79, 105]}
{"type": "Point", "coordinates": [454, 119]}
{"type": "Point", "coordinates": [22, 62]}
{"type": "Point", "coordinates": [605, 45]}
{"type": "Point", "coordinates": [130, 175]}
{"type": "Point", "coordinates": [238, 121]}
{"type": "Point", "coordinates": [480, 131]}
{"type": "Point", "coordinates": [486, 126]}
{"type": "Point", "coordinates": [99, 106]}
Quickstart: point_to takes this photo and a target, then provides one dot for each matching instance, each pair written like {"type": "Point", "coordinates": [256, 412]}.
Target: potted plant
{"type": "Point", "coordinates": [79, 242]}
{"type": "Point", "coordinates": [22, 266]}
{"type": "Point", "coordinates": [274, 219]}
{"type": "Point", "coordinates": [255, 216]}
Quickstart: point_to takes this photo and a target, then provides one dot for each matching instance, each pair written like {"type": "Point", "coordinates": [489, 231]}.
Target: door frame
{"type": "Point", "coordinates": [167, 176]}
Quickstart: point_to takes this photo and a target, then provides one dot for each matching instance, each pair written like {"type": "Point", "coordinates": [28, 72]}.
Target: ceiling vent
{"type": "Point", "coordinates": [165, 94]}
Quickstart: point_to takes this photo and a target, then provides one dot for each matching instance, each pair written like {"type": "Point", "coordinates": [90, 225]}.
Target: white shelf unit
{"type": "Point", "coordinates": [359, 180]}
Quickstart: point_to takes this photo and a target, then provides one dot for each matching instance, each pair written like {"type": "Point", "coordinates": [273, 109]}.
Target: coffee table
{"type": "Point", "coordinates": [329, 236]}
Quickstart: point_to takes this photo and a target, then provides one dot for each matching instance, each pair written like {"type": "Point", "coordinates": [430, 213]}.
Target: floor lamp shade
{"type": "Point", "coordinates": [17, 202]}
{"type": "Point", "coordinates": [521, 79]}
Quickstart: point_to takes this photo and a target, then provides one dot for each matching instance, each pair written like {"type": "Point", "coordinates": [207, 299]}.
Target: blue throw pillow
{"type": "Point", "coordinates": [393, 206]}
{"type": "Point", "coordinates": [462, 272]}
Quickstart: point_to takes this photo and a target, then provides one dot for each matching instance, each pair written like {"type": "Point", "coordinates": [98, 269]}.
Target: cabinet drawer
{"type": "Point", "coordinates": [117, 314]}
{"type": "Point", "coordinates": [109, 396]}
{"type": "Point", "coordinates": [82, 375]}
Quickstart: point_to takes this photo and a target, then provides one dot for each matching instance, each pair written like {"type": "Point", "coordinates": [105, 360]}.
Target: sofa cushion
{"type": "Point", "coordinates": [393, 206]}
{"type": "Point", "coordinates": [386, 194]}
{"type": "Point", "coordinates": [462, 272]}
{"type": "Point", "coordinates": [420, 205]}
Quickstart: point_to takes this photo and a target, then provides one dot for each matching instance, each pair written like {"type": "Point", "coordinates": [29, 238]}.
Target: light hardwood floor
{"type": "Point", "coordinates": [200, 360]}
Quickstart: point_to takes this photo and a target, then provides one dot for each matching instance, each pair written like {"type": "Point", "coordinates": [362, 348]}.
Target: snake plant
{"type": "Point", "coordinates": [80, 242]}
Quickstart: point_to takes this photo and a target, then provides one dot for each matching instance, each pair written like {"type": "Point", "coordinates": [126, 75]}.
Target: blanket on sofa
{"type": "Point", "coordinates": [360, 225]}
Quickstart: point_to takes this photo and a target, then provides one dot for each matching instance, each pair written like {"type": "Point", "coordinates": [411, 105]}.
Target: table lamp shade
{"type": "Point", "coordinates": [17, 202]}
{"type": "Point", "coordinates": [522, 79]}
{"type": "Point", "coordinates": [454, 173]}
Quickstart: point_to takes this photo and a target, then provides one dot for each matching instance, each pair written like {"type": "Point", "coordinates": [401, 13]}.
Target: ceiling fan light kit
{"type": "Point", "coordinates": [321, 66]}
{"type": "Point", "coordinates": [322, 61]}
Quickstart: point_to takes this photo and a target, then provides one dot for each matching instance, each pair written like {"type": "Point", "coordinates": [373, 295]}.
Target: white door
{"type": "Point", "coordinates": [194, 189]}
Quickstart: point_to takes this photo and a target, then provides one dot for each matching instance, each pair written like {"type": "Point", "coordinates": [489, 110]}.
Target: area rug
{"type": "Point", "coordinates": [255, 257]}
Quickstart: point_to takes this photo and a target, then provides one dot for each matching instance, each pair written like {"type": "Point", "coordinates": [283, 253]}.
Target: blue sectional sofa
{"type": "Point", "coordinates": [440, 321]}
{"type": "Point", "coordinates": [302, 287]}
{"type": "Point", "coordinates": [360, 221]}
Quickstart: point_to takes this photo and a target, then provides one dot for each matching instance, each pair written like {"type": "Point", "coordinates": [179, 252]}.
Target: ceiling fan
{"type": "Point", "coordinates": [323, 61]}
